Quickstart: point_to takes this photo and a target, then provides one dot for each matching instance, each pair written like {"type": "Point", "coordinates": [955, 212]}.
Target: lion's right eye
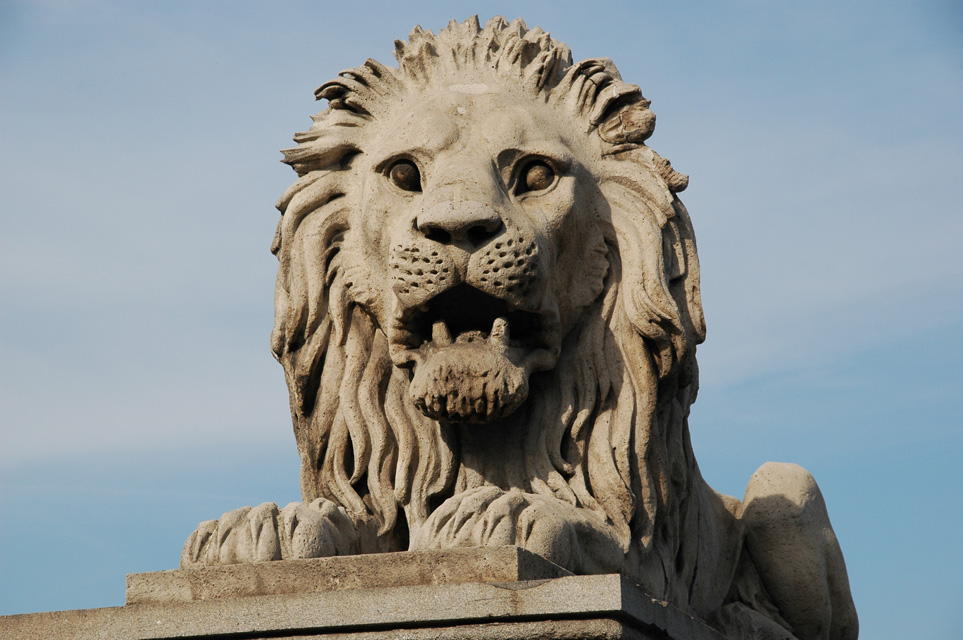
{"type": "Point", "coordinates": [405, 175]}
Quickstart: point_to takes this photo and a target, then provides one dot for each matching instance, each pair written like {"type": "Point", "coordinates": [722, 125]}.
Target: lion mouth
{"type": "Point", "coordinates": [463, 315]}
{"type": "Point", "coordinates": [472, 354]}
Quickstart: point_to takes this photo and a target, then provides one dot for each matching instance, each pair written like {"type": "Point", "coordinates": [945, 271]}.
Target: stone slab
{"type": "Point", "coordinates": [448, 566]}
{"type": "Point", "coordinates": [572, 607]}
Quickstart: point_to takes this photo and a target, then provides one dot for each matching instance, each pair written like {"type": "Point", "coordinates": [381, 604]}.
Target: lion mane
{"type": "Point", "coordinates": [606, 428]}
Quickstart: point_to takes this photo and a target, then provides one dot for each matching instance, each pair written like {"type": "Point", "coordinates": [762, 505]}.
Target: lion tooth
{"type": "Point", "coordinates": [440, 334]}
{"type": "Point", "coordinates": [499, 333]}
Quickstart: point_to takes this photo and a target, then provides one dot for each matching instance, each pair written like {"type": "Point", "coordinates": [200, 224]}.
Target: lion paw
{"type": "Point", "coordinates": [556, 530]}
{"type": "Point", "coordinates": [263, 533]}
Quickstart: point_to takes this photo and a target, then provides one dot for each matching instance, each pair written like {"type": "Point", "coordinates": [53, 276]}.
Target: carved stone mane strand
{"type": "Point", "coordinates": [594, 431]}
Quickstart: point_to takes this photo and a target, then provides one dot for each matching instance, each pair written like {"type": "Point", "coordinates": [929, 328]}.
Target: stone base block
{"type": "Point", "coordinates": [485, 594]}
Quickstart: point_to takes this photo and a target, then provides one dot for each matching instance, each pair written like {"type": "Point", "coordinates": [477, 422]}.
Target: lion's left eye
{"type": "Point", "coordinates": [405, 175]}
{"type": "Point", "coordinates": [537, 176]}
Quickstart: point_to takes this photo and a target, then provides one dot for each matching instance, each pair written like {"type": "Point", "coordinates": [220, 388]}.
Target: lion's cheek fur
{"type": "Point", "coordinates": [575, 254]}
{"type": "Point", "coordinates": [580, 277]}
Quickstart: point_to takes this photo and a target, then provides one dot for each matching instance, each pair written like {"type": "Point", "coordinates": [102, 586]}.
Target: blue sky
{"type": "Point", "coordinates": [138, 172]}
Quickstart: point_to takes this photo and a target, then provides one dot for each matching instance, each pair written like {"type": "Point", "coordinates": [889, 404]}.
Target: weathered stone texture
{"type": "Point", "coordinates": [572, 607]}
{"type": "Point", "coordinates": [450, 566]}
{"type": "Point", "coordinates": [487, 310]}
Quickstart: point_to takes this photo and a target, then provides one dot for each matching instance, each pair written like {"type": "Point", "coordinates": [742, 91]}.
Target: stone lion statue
{"type": "Point", "coordinates": [487, 311]}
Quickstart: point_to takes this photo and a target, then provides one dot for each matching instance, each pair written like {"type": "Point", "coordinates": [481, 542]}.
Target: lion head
{"type": "Point", "coordinates": [486, 279]}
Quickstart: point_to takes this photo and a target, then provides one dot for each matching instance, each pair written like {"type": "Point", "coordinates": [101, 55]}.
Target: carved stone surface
{"type": "Point", "coordinates": [450, 566]}
{"type": "Point", "coordinates": [487, 311]}
{"type": "Point", "coordinates": [575, 607]}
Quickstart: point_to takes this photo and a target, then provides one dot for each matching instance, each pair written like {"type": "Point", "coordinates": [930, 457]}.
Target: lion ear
{"type": "Point", "coordinates": [634, 122]}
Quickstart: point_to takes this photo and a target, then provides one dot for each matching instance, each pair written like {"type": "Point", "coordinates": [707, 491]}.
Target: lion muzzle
{"type": "Point", "coordinates": [460, 283]}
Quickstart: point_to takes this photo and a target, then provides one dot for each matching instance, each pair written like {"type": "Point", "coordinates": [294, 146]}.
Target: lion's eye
{"type": "Point", "coordinates": [405, 175]}
{"type": "Point", "coordinates": [537, 176]}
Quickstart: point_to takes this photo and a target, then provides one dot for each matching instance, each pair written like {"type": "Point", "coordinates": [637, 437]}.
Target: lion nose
{"type": "Point", "coordinates": [460, 223]}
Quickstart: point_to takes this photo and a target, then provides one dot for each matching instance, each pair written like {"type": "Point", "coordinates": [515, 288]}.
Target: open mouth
{"type": "Point", "coordinates": [464, 314]}
{"type": "Point", "coordinates": [472, 354]}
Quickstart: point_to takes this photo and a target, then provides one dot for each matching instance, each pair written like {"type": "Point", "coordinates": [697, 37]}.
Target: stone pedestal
{"type": "Point", "coordinates": [477, 594]}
